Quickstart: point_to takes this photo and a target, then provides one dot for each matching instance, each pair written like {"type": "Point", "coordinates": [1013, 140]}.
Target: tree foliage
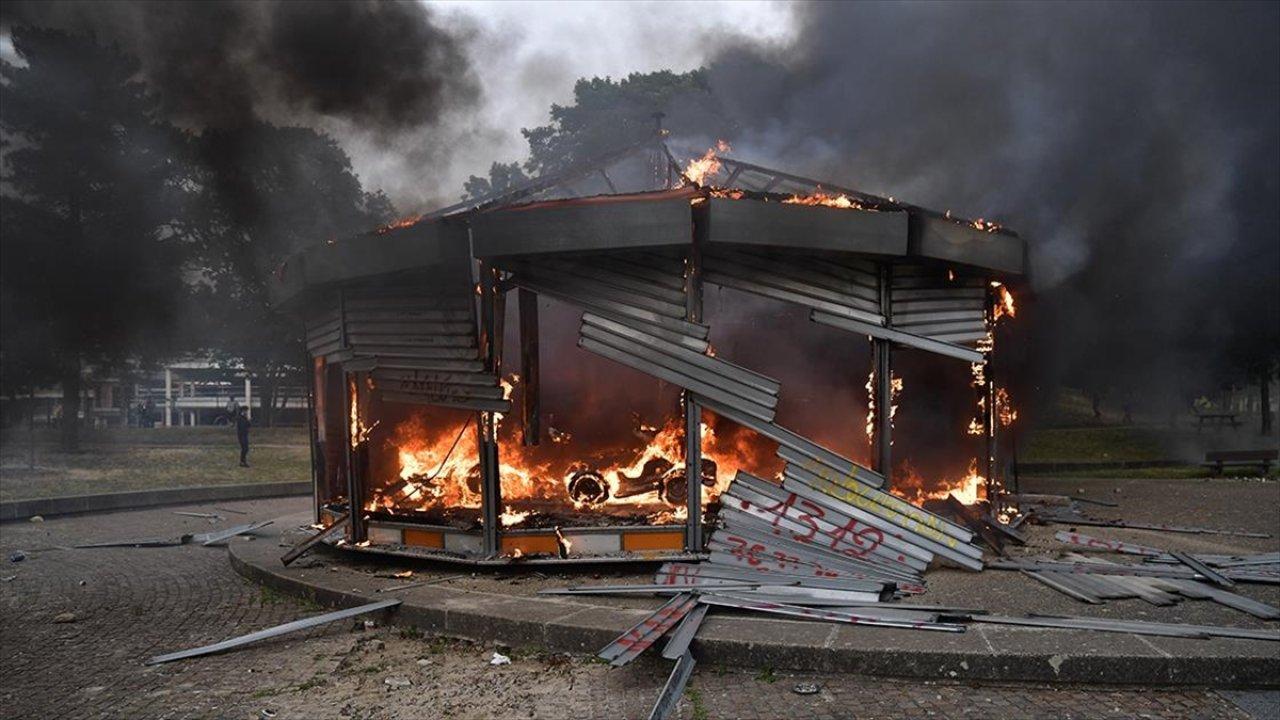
{"type": "Point", "coordinates": [94, 182]}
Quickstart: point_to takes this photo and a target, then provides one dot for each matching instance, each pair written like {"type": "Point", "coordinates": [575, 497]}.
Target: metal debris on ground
{"type": "Point", "coordinates": [303, 624]}
{"type": "Point", "coordinates": [218, 536]}
{"type": "Point", "coordinates": [207, 516]}
{"type": "Point", "coordinates": [674, 688]}
{"type": "Point", "coordinates": [301, 548]}
{"type": "Point", "coordinates": [499, 659]}
{"type": "Point", "coordinates": [805, 689]}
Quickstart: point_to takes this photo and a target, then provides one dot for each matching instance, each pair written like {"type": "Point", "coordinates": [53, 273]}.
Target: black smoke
{"type": "Point", "coordinates": [384, 67]}
{"type": "Point", "coordinates": [1135, 146]}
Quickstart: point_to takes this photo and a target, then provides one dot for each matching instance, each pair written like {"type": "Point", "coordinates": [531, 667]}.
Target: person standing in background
{"type": "Point", "coordinates": [242, 434]}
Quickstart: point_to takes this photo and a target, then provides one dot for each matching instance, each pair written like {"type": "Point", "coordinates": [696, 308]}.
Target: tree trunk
{"type": "Point", "coordinates": [1264, 388]}
{"type": "Point", "coordinates": [71, 407]}
{"type": "Point", "coordinates": [268, 398]}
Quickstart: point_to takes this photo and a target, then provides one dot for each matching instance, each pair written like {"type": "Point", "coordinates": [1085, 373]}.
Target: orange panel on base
{"type": "Point", "coordinates": [530, 544]}
{"type": "Point", "coordinates": [424, 538]}
{"type": "Point", "coordinates": [673, 540]}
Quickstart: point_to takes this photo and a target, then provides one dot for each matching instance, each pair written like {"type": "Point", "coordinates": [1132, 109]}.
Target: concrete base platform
{"type": "Point", "coordinates": [482, 605]}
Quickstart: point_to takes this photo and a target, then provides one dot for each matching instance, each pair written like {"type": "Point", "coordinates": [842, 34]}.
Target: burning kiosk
{"type": "Point", "coordinates": [535, 375]}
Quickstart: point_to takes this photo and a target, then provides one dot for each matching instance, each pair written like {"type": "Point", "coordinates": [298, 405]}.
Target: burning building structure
{"type": "Point", "coordinates": [576, 368]}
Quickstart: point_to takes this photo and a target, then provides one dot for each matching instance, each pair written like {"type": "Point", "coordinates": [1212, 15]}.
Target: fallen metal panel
{"type": "Point", "coordinates": [807, 525]}
{"type": "Point", "coordinates": [654, 589]}
{"type": "Point", "coordinates": [1129, 626]}
{"type": "Point", "coordinates": [742, 406]}
{"type": "Point", "coordinates": [1223, 597]}
{"type": "Point", "coordinates": [751, 222]}
{"type": "Point", "coordinates": [678, 642]}
{"type": "Point", "coordinates": [892, 522]}
{"type": "Point", "coordinates": [739, 374]}
{"type": "Point", "coordinates": [428, 376]}
{"type": "Point", "coordinates": [854, 483]}
{"type": "Point", "coordinates": [902, 338]}
{"type": "Point", "coordinates": [790, 440]}
{"type": "Point", "coordinates": [584, 225]}
{"type": "Point", "coordinates": [440, 390]}
{"type": "Point", "coordinates": [1151, 526]}
{"type": "Point", "coordinates": [301, 548]}
{"type": "Point", "coordinates": [705, 370]}
{"type": "Point", "coordinates": [754, 526]}
{"type": "Point", "coordinates": [835, 513]}
{"type": "Point", "coordinates": [752, 538]}
{"type": "Point", "coordinates": [673, 689]}
{"type": "Point", "coordinates": [140, 542]}
{"type": "Point", "coordinates": [802, 595]}
{"type": "Point", "coordinates": [275, 631]}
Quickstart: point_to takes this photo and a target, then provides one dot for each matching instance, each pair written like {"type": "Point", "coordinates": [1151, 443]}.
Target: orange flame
{"type": "Point", "coordinates": [1004, 302]}
{"type": "Point", "coordinates": [911, 486]}
{"type": "Point", "coordinates": [818, 197]}
{"type": "Point", "coordinates": [699, 170]}
{"type": "Point", "coordinates": [403, 222]}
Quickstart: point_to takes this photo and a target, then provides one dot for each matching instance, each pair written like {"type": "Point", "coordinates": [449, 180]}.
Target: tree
{"type": "Point", "coordinates": [267, 192]}
{"type": "Point", "coordinates": [93, 266]}
{"type": "Point", "coordinates": [608, 114]}
{"type": "Point", "coordinates": [502, 177]}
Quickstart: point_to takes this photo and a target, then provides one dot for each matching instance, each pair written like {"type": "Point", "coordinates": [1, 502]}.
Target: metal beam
{"type": "Point", "coordinates": [674, 689]}
{"type": "Point", "coordinates": [530, 373]}
{"type": "Point", "coordinates": [275, 632]}
{"type": "Point", "coordinates": [490, 471]}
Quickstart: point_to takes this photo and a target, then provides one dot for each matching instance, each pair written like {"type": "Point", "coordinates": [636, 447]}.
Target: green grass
{"type": "Point", "coordinates": [1179, 472]}
{"type": "Point", "coordinates": [698, 707]}
{"type": "Point", "coordinates": [124, 459]}
{"type": "Point", "coordinates": [1094, 444]}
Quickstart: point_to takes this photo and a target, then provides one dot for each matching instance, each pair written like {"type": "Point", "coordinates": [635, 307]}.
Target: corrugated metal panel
{"type": "Point", "coordinates": [843, 288]}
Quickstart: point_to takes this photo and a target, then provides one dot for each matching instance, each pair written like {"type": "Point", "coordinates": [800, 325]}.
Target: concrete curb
{"type": "Point", "coordinates": [48, 507]}
{"type": "Point", "coordinates": [984, 653]}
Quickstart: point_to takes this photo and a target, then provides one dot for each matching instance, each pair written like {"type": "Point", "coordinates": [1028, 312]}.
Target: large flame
{"type": "Point", "coordinates": [700, 170]}
{"type": "Point", "coordinates": [911, 486]}
{"type": "Point", "coordinates": [1004, 301]}
{"type": "Point", "coordinates": [818, 197]}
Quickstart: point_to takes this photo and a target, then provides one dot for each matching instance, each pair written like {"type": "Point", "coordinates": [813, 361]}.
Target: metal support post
{"type": "Point", "coordinates": [491, 479]}
{"type": "Point", "coordinates": [168, 397]}
{"type": "Point", "coordinates": [884, 387]}
{"type": "Point", "coordinates": [991, 416]}
{"type": "Point", "coordinates": [312, 434]}
{"type": "Point", "coordinates": [692, 409]}
{"type": "Point", "coordinates": [248, 397]}
{"type": "Point", "coordinates": [530, 405]}
{"type": "Point", "coordinates": [356, 530]}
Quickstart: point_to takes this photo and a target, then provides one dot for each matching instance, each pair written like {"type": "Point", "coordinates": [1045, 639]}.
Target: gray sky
{"type": "Point", "coordinates": [527, 56]}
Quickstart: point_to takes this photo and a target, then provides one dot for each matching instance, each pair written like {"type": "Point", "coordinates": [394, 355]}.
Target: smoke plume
{"type": "Point", "coordinates": [1134, 145]}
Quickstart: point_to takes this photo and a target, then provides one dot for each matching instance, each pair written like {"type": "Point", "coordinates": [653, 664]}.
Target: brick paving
{"type": "Point", "coordinates": [131, 603]}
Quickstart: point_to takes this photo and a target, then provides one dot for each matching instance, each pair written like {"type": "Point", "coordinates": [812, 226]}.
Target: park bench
{"type": "Point", "coordinates": [1218, 459]}
{"type": "Point", "coordinates": [1219, 419]}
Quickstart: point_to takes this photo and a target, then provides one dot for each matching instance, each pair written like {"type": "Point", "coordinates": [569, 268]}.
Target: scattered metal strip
{"type": "Point", "coordinates": [742, 603]}
{"type": "Point", "coordinates": [711, 393]}
{"type": "Point", "coordinates": [1092, 568]}
{"type": "Point", "coordinates": [1205, 570]}
{"type": "Point", "coordinates": [1054, 582]}
{"type": "Point", "coordinates": [654, 589]}
{"type": "Point", "coordinates": [902, 338]}
{"type": "Point", "coordinates": [274, 632]}
{"type": "Point", "coordinates": [1129, 626]}
{"type": "Point", "coordinates": [1094, 522]}
{"type": "Point", "coordinates": [792, 595]}
{"type": "Point", "coordinates": [140, 542]}
{"type": "Point", "coordinates": [1144, 588]}
{"type": "Point", "coordinates": [730, 558]}
{"type": "Point", "coordinates": [681, 573]}
{"type": "Point", "coordinates": [678, 642]}
{"type": "Point", "coordinates": [301, 548]}
{"type": "Point", "coordinates": [1223, 597]}
{"type": "Point", "coordinates": [207, 516]}
{"type": "Point", "coordinates": [660, 626]}
{"type": "Point", "coordinates": [628, 640]}
{"type": "Point", "coordinates": [218, 536]}
{"type": "Point", "coordinates": [674, 689]}
{"type": "Point", "coordinates": [1094, 543]}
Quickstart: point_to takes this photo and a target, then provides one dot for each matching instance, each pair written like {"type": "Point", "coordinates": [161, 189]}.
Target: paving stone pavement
{"type": "Point", "coordinates": [131, 603]}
